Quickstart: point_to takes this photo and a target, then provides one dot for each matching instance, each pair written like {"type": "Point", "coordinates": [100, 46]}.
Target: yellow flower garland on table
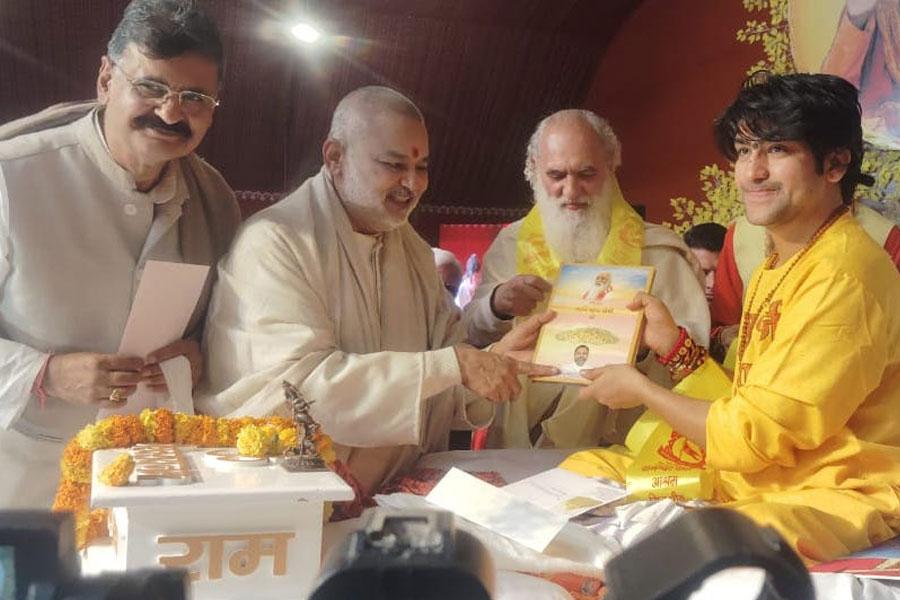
{"type": "Point", "coordinates": [269, 436]}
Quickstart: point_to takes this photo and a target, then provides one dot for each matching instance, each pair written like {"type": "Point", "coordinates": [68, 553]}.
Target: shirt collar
{"type": "Point", "coordinates": [170, 188]}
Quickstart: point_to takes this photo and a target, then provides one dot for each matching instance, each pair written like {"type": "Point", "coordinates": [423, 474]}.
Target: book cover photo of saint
{"type": "Point", "coordinates": [592, 286]}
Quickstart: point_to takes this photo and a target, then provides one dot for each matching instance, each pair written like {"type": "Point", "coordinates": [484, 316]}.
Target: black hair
{"type": "Point", "coordinates": [708, 236]}
{"type": "Point", "coordinates": [585, 346]}
{"type": "Point", "coordinates": [166, 29]}
{"type": "Point", "coordinates": [819, 110]}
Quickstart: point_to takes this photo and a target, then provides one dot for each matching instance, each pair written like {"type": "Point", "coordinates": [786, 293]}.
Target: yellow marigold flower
{"type": "Point", "coordinates": [251, 441]}
{"type": "Point", "coordinates": [118, 471]}
{"type": "Point", "coordinates": [240, 423]}
{"type": "Point", "coordinates": [147, 421]}
{"type": "Point", "coordinates": [92, 437]}
{"type": "Point", "coordinates": [76, 462]}
{"type": "Point", "coordinates": [183, 426]}
{"type": "Point", "coordinates": [287, 438]}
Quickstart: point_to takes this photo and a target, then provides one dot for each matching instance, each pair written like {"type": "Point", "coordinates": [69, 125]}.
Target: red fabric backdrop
{"type": "Point", "coordinates": [463, 239]}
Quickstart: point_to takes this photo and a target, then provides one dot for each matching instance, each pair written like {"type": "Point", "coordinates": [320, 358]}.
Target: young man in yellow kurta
{"type": "Point", "coordinates": [807, 438]}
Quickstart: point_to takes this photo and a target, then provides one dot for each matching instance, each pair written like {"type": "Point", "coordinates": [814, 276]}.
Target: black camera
{"type": "Point", "coordinates": [39, 561]}
{"type": "Point", "coordinates": [404, 556]}
{"type": "Point", "coordinates": [698, 544]}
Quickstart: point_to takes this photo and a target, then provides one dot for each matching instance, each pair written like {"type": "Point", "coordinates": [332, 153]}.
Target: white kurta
{"type": "Point", "coordinates": [548, 414]}
{"type": "Point", "coordinates": [74, 237]}
{"type": "Point", "coordinates": [362, 324]}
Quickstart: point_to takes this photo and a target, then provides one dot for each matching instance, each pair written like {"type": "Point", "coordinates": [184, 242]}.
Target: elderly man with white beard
{"type": "Point", "coordinates": [332, 290]}
{"type": "Point", "coordinates": [579, 216]}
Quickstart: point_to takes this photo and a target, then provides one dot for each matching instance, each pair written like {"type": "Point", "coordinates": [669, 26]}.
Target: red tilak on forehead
{"type": "Point", "coordinates": [415, 152]}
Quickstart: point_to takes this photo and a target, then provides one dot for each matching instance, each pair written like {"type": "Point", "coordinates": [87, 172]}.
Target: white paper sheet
{"type": "Point", "coordinates": [566, 493]}
{"type": "Point", "coordinates": [162, 306]}
{"type": "Point", "coordinates": [177, 372]}
{"type": "Point", "coordinates": [160, 313]}
{"type": "Point", "coordinates": [496, 509]}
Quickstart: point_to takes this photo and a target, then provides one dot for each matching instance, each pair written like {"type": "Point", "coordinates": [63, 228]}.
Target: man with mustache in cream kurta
{"type": "Point", "coordinates": [89, 192]}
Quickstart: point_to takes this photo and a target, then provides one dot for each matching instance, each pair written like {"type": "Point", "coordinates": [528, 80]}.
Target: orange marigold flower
{"type": "Point", "coordinates": [76, 462]}
{"type": "Point", "coordinates": [72, 496]}
{"type": "Point", "coordinates": [225, 435]}
{"type": "Point", "coordinates": [159, 425]}
{"type": "Point", "coordinates": [207, 431]}
{"type": "Point", "coordinates": [91, 526]}
{"type": "Point", "coordinates": [116, 431]}
{"type": "Point", "coordinates": [135, 428]}
{"type": "Point", "coordinates": [165, 426]}
{"type": "Point", "coordinates": [325, 448]}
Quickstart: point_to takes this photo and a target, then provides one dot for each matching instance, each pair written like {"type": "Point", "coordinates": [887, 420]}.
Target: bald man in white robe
{"type": "Point", "coordinates": [332, 290]}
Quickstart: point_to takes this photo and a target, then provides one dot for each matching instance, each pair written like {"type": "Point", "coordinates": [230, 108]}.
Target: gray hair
{"type": "Point", "coordinates": [166, 29]}
{"type": "Point", "coordinates": [352, 110]}
{"type": "Point", "coordinates": [601, 127]}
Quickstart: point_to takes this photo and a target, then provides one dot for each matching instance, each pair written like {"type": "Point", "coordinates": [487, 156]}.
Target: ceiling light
{"type": "Point", "coordinates": [305, 33]}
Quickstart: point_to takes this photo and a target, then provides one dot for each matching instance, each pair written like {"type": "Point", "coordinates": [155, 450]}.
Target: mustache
{"type": "Point", "coordinates": [402, 193]}
{"type": "Point", "coordinates": [180, 128]}
{"type": "Point", "coordinates": [761, 188]}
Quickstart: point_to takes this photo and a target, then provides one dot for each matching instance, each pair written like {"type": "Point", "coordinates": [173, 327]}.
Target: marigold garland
{"type": "Point", "coordinates": [268, 436]}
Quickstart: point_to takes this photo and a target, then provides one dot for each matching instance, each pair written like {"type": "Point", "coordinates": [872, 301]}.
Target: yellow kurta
{"type": "Point", "coordinates": [808, 440]}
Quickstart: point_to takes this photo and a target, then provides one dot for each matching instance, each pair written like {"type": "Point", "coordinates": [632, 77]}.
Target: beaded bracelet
{"type": "Point", "coordinates": [685, 358]}
{"type": "Point", "coordinates": [665, 360]}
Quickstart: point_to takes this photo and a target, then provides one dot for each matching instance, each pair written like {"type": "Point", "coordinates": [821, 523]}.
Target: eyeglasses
{"type": "Point", "coordinates": [191, 102]}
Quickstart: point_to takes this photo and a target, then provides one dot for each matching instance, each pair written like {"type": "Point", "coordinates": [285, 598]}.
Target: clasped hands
{"type": "Point", "coordinates": [91, 377]}
{"type": "Point", "coordinates": [493, 374]}
{"type": "Point", "coordinates": [616, 386]}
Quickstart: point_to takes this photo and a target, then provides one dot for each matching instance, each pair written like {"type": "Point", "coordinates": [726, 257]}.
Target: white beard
{"type": "Point", "coordinates": [576, 237]}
